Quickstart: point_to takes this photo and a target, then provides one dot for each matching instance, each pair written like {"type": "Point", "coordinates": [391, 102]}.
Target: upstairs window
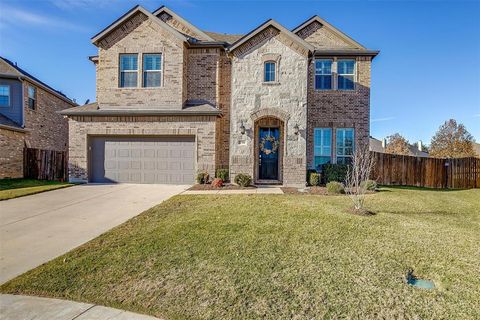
{"type": "Point", "coordinates": [323, 74]}
{"type": "Point", "coordinates": [128, 70]}
{"type": "Point", "coordinates": [152, 70]}
{"type": "Point", "coordinates": [322, 140]}
{"type": "Point", "coordinates": [345, 145]}
{"type": "Point", "coordinates": [269, 74]}
{"type": "Point", "coordinates": [4, 95]}
{"type": "Point", "coordinates": [32, 97]}
{"type": "Point", "coordinates": [346, 74]}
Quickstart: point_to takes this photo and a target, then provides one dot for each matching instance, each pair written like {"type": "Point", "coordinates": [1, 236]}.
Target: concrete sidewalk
{"type": "Point", "coordinates": [259, 190]}
{"type": "Point", "coordinates": [13, 307]}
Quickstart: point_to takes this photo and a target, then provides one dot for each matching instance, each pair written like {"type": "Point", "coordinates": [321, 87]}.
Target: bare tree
{"type": "Point", "coordinates": [357, 174]}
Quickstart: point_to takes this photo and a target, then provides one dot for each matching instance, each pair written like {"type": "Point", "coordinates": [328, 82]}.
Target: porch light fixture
{"type": "Point", "coordinates": [242, 128]}
{"type": "Point", "coordinates": [296, 129]}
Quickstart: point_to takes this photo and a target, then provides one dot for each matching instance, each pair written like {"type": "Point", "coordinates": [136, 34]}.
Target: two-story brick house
{"type": "Point", "coordinates": [28, 117]}
{"type": "Point", "coordinates": [173, 100]}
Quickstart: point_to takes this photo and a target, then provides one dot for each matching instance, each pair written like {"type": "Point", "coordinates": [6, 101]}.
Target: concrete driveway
{"type": "Point", "coordinates": [37, 228]}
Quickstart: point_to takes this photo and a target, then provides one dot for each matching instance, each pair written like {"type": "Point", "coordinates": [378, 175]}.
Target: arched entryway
{"type": "Point", "coordinates": [268, 149]}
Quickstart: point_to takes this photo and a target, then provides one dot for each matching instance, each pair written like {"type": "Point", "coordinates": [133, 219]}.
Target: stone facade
{"type": "Point", "coordinates": [322, 38]}
{"type": "Point", "coordinates": [81, 127]}
{"type": "Point", "coordinates": [284, 99]}
{"type": "Point", "coordinates": [11, 157]}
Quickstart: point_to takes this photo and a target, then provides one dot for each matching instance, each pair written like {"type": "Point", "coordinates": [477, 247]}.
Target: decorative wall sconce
{"type": "Point", "coordinates": [242, 128]}
{"type": "Point", "coordinates": [296, 129]}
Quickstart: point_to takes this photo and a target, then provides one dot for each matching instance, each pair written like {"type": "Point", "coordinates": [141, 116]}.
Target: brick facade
{"type": "Point", "coordinates": [47, 129]}
{"type": "Point", "coordinates": [81, 127]}
{"type": "Point", "coordinates": [197, 70]}
{"type": "Point", "coordinates": [43, 128]}
{"type": "Point", "coordinates": [147, 37]}
{"type": "Point", "coordinates": [11, 157]}
{"type": "Point", "coordinates": [340, 109]}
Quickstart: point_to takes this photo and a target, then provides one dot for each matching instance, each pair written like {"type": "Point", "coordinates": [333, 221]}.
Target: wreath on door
{"type": "Point", "coordinates": [271, 147]}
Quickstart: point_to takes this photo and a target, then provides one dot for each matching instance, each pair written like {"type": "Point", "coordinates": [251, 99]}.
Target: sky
{"type": "Point", "coordinates": [427, 72]}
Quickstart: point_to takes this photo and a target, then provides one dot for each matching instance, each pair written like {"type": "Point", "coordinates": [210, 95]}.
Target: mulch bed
{"type": "Point", "coordinates": [227, 186]}
{"type": "Point", "coordinates": [313, 191]}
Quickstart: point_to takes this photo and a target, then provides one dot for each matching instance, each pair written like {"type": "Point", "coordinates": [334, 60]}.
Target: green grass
{"type": "Point", "coordinates": [14, 188]}
{"type": "Point", "coordinates": [280, 257]}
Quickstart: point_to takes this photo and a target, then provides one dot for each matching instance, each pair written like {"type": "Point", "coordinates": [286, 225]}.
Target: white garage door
{"type": "Point", "coordinates": [169, 160]}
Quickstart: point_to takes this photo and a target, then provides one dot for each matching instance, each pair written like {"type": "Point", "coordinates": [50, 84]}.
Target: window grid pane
{"type": "Point", "coordinates": [322, 146]}
{"type": "Point", "coordinates": [128, 70]}
{"type": "Point", "coordinates": [345, 145]}
{"type": "Point", "coordinates": [323, 74]}
{"type": "Point", "coordinates": [269, 71]}
{"type": "Point", "coordinates": [346, 74]}
{"type": "Point", "coordinates": [4, 95]}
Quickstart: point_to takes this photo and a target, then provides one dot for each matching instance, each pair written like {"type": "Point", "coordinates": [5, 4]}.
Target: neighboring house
{"type": "Point", "coordinates": [173, 100]}
{"type": "Point", "coordinates": [476, 147]}
{"type": "Point", "coordinates": [416, 150]}
{"type": "Point", "coordinates": [28, 117]}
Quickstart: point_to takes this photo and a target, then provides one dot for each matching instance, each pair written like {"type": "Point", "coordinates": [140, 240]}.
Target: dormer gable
{"type": "Point", "coordinates": [323, 35]}
{"type": "Point", "coordinates": [127, 23]}
{"type": "Point", "coordinates": [180, 24]}
{"type": "Point", "coordinates": [266, 30]}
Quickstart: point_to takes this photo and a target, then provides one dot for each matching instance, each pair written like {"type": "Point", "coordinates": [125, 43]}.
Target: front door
{"type": "Point", "coordinates": [269, 147]}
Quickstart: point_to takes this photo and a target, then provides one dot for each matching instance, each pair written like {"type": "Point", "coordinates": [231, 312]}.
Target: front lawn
{"type": "Point", "coordinates": [280, 257]}
{"type": "Point", "coordinates": [13, 188]}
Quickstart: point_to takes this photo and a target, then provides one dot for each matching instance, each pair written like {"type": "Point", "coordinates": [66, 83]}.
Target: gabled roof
{"type": "Point", "coordinates": [276, 25]}
{"type": "Point", "coordinates": [96, 38]}
{"type": "Point", "coordinates": [183, 21]}
{"type": "Point", "coordinates": [24, 74]}
{"type": "Point", "coordinates": [329, 27]}
{"type": "Point", "coordinates": [224, 37]}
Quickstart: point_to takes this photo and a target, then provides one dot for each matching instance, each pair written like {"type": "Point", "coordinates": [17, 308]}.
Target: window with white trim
{"type": "Point", "coordinates": [322, 149]}
{"type": "Point", "coordinates": [4, 95]}
{"type": "Point", "coordinates": [269, 71]}
{"type": "Point", "coordinates": [345, 144]}
{"type": "Point", "coordinates": [346, 74]}
{"type": "Point", "coordinates": [128, 70]}
{"type": "Point", "coordinates": [323, 74]}
{"type": "Point", "coordinates": [152, 70]}
{"type": "Point", "coordinates": [32, 97]}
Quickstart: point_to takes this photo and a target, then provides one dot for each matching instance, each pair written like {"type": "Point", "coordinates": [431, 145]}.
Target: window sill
{"type": "Point", "coordinates": [271, 83]}
{"type": "Point", "coordinates": [140, 88]}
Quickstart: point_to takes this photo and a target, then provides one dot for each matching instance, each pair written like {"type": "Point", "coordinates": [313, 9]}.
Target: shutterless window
{"type": "Point", "coordinates": [345, 145]}
{"type": "Point", "coordinates": [128, 70]}
{"type": "Point", "coordinates": [322, 141]}
{"type": "Point", "coordinates": [152, 70]}
{"type": "Point", "coordinates": [4, 95]}
{"type": "Point", "coordinates": [323, 74]}
{"type": "Point", "coordinates": [32, 95]}
{"type": "Point", "coordinates": [269, 71]}
{"type": "Point", "coordinates": [346, 74]}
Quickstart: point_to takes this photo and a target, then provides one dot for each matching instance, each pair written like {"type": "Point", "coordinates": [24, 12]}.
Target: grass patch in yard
{"type": "Point", "coordinates": [280, 257]}
{"type": "Point", "coordinates": [14, 188]}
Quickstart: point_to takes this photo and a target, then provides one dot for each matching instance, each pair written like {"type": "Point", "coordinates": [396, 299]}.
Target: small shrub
{"type": "Point", "coordinates": [309, 172]}
{"type": "Point", "coordinates": [335, 187]}
{"type": "Point", "coordinates": [370, 185]}
{"type": "Point", "coordinates": [222, 174]}
{"type": "Point", "coordinates": [315, 179]}
{"type": "Point", "coordinates": [334, 172]}
{"type": "Point", "coordinates": [203, 177]}
{"type": "Point", "coordinates": [217, 183]}
{"type": "Point", "coordinates": [243, 180]}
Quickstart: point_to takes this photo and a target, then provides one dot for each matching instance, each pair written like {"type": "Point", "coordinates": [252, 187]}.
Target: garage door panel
{"type": "Point", "coordinates": [143, 159]}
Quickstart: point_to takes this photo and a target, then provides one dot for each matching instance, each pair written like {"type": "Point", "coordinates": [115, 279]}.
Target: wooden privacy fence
{"type": "Point", "coordinates": [392, 169]}
{"type": "Point", "coordinates": [45, 164]}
